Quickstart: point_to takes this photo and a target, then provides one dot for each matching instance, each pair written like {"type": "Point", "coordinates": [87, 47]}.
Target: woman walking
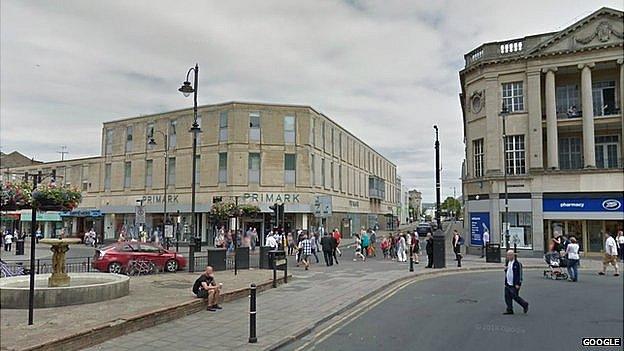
{"type": "Point", "coordinates": [358, 248]}
{"type": "Point", "coordinates": [429, 249]}
{"type": "Point", "coordinates": [401, 248]}
{"type": "Point", "coordinates": [620, 242]}
{"type": "Point", "coordinates": [572, 251]}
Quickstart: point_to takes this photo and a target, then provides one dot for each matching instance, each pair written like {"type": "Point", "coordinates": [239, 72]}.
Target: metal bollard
{"type": "Point", "coordinates": [286, 269]}
{"type": "Point", "coordinates": [411, 269]}
{"type": "Point", "coordinates": [252, 314]}
{"type": "Point", "coordinates": [515, 248]}
{"type": "Point", "coordinates": [274, 275]}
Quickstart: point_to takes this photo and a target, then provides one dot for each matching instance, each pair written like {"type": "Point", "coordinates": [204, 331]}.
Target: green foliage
{"type": "Point", "coordinates": [225, 210]}
{"type": "Point", "coordinates": [16, 196]}
{"type": "Point", "coordinates": [451, 204]}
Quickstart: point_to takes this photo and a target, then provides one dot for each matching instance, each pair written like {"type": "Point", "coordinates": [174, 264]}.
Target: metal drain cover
{"type": "Point", "coordinates": [467, 301]}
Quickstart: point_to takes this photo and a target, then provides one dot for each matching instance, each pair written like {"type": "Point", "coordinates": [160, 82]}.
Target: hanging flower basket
{"type": "Point", "coordinates": [225, 210]}
{"type": "Point", "coordinates": [55, 198]}
{"type": "Point", "coordinates": [14, 196]}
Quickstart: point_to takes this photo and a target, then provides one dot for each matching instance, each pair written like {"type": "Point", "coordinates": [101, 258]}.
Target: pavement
{"type": "Point", "coordinates": [290, 311]}
{"type": "Point", "coordinates": [147, 294]}
{"type": "Point", "coordinates": [464, 312]}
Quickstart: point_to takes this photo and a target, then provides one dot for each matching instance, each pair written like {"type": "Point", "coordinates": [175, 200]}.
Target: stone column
{"type": "Point", "coordinates": [589, 153]}
{"type": "Point", "coordinates": [535, 157]}
{"type": "Point", "coordinates": [552, 140]}
{"type": "Point", "coordinates": [621, 63]}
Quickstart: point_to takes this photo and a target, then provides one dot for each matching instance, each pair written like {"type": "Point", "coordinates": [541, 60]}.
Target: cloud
{"type": "Point", "coordinates": [385, 70]}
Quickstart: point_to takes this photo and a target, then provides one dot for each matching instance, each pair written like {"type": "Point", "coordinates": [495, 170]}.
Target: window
{"type": "Point", "coordinates": [567, 101]}
{"type": "Point", "coordinates": [603, 95]}
{"type": "Point", "coordinates": [477, 147]}
{"type": "Point", "coordinates": [127, 175]}
{"type": "Point", "coordinates": [109, 141]}
{"type": "Point", "coordinates": [520, 229]}
{"type": "Point", "coordinates": [84, 177]}
{"type": "Point", "coordinates": [570, 153]}
{"type": "Point", "coordinates": [514, 154]}
{"type": "Point", "coordinates": [313, 169]}
{"type": "Point", "coordinates": [223, 126]}
{"type": "Point", "coordinates": [254, 168]}
{"type": "Point", "coordinates": [172, 134]}
{"type": "Point", "coordinates": [340, 144]}
{"type": "Point", "coordinates": [129, 132]}
{"type": "Point", "coordinates": [107, 176]}
{"type": "Point", "coordinates": [171, 171]}
{"type": "Point", "coordinates": [149, 171]}
{"type": "Point", "coordinates": [323, 135]}
{"type": "Point", "coordinates": [513, 96]}
{"type": "Point", "coordinates": [313, 129]}
{"type": "Point", "coordinates": [223, 167]}
{"type": "Point", "coordinates": [290, 167]}
{"type": "Point", "coordinates": [149, 132]}
{"type": "Point", "coordinates": [332, 141]}
{"type": "Point", "coordinates": [197, 169]}
{"type": "Point", "coordinates": [323, 172]}
{"type": "Point", "coordinates": [289, 129]}
{"type": "Point", "coordinates": [340, 177]}
{"type": "Point", "coordinates": [254, 126]}
{"type": "Point", "coordinates": [607, 151]}
{"type": "Point", "coordinates": [331, 175]}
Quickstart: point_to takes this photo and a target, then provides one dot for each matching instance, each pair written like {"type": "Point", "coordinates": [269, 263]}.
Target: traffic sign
{"type": "Point", "coordinates": [322, 206]}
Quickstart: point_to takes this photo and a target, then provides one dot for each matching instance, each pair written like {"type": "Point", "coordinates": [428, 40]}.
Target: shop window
{"type": "Point", "coordinates": [607, 151]}
{"type": "Point", "coordinates": [254, 126]}
{"type": "Point", "coordinates": [289, 129]}
{"type": "Point", "coordinates": [223, 126]}
{"type": "Point", "coordinates": [570, 153]}
{"type": "Point", "coordinates": [520, 229]}
{"type": "Point", "coordinates": [254, 168]}
{"type": "Point", "coordinates": [290, 166]}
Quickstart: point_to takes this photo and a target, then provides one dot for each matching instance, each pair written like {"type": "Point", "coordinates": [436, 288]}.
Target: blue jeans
{"type": "Point", "coordinates": [573, 269]}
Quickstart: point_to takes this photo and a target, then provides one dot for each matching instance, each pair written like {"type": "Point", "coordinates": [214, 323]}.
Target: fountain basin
{"type": "Point", "coordinates": [84, 288]}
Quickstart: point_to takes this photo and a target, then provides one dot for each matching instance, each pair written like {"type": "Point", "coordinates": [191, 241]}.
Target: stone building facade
{"type": "Point", "coordinates": [564, 135]}
{"type": "Point", "coordinates": [252, 153]}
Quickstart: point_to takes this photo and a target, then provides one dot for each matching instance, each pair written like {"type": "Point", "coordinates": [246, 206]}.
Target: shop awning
{"type": "Point", "coordinates": [82, 213]}
{"type": "Point", "coordinates": [51, 216]}
{"type": "Point", "coordinates": [8, 217]}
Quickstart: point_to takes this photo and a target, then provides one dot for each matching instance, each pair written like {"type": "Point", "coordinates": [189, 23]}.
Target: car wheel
{"type": "Point", "coordinates": [171, 266]}
{"type": "Point", "coordinates": [114, 267]}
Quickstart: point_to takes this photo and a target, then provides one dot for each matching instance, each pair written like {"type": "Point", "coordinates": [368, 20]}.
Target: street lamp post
{"type": "Point", "coordinates": [437, 177]}
{"type": "Point", "coordinates": [166, 185]}
{"type": "Point", "coordinates": [186, 89]}
{"type": "Point", "coordinates": [439, 252]}
{"type": "Point", "coordinates": [504, 113]}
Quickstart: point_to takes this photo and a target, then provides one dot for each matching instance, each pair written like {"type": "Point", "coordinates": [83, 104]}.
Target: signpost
{"type": "Point", "coordinates": [322, 208]}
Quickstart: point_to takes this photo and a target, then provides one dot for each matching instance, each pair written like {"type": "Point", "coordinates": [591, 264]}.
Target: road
{"type": "Point", "coordinates": [464, 312]}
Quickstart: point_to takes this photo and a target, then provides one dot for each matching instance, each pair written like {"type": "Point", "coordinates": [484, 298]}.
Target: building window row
{"type": "Point", "coordinates": [477, 147]}
{"type": "Point", "coordinates": [513, 97]}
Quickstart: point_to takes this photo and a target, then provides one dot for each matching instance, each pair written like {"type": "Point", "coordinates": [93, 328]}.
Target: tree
{"type": "Point", "coordinates": [452, 205]}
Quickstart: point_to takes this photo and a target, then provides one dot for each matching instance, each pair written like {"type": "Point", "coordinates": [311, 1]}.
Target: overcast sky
{"type": "Point", "coordinates": [385, 70]}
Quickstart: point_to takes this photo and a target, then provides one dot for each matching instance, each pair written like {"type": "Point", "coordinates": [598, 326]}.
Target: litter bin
{"type": "Point", "coordinates": [19, 247]}
{"type": "Point", "coordinates": [242, 258]}
{"type": "Point", "coordinates": [492, 253]}
{"type": "Point", "coordinates": [439, 249]}
{"type": "Point", "coordinates": [265, 262]}
{"type": "Point", "coordinates": [216, 258]}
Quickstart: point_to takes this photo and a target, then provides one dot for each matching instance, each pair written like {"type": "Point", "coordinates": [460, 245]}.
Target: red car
{"type": "Point", "coordinates": [115, 258]}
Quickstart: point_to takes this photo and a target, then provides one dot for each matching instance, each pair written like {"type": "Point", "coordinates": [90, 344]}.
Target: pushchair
{"type": "Point", "coordinates": [555, 264]}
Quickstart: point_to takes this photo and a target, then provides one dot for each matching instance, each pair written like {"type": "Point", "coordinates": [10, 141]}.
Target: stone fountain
{"type": "Point", "coordinates": [60, 288]}
{"type": "Point", "coordinates": [59, 247]}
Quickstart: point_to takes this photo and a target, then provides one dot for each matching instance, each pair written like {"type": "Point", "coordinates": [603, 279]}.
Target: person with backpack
{"type": "Point", "coordinates": [458, 241]}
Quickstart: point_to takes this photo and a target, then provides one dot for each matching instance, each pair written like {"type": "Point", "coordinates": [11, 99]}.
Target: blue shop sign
{"type": "Point", "coordinates": [82, 213]}
{"type": "Point", "coordinates": [479, 223]}
{"type": "Point", "coordinates": [606, 204]}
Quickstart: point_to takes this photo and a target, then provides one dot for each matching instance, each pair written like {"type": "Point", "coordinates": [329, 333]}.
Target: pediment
{"type": "Point", "coordinates": [603, 28]}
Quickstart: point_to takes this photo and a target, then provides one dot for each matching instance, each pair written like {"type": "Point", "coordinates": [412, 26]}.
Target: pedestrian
{"type": "Point", "coordinates": [358, 249]}
{"type": "Point", "coordinates": [365, 242]}
{"type": "Point", "coordinates": [620, 242]}
{"type": "Point", "coordinates": [327, 243]}
{"type": "Point", "coordinates": [373, 240]}
{"type": "Point", "coordinates": [401, 245]}
{"type": "Point", "coordinates": [392, 246]}
{"type": "Point", "coordinates": [429, 250]}
{"type": "Point", "coordinates": [486, 241]}
{"type": "Point", "coordinates": [271, 242]}
{"type": "Point", "coordinates": [314, 246]}
{"type": "Point", "coordinates": [416, 247]}
{"type": "Point", "coordinates": [8, 241]}
{"type": "Point", "coordinates": [220, 240]}
{"type": "Point", "coordinates": [207, 288]}
{"type": "Point", "coordinates": [457, 241]}
{"type": "Point", "coordinates": [254, 239]}
{"type": "Point", "coordinates": [385, 248]}
{"type": "Point", "coordinates": [572, 252]}
{"type": "Point", "coordinates": [306, 250]}
{"type": "Point", "coordinates": [513, 281]}
{"type": "Point", "coordinates": [291, 244]}
{"type": "Point", "coordinates": [610, 255]}
{"type": "Point", "coordinates": [337, 236]}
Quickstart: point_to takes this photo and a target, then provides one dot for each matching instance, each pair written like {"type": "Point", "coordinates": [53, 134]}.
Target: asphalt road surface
{"type": "Point", "coordinates": [464, 312]}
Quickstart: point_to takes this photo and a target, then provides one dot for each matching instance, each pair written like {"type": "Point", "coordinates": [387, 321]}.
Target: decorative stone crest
{"type": "Point", "coordinates": [477, 101]}
{"type": "Point", "coordinates": [603, 32]}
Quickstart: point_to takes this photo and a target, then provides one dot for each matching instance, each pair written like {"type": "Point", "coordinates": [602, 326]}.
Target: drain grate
{"type": "Point", "coordinates": [467, 301]}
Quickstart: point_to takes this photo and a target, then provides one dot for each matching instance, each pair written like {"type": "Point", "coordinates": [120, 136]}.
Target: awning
{"type": "Point", "coordinates": [82, 213]}
{"type": "Point", "coordinates": [51, 216]}
{"type": "Point", "coordinates": [8, 217]}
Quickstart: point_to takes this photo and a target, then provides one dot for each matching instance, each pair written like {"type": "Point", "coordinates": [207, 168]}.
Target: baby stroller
{"type": "Point", "coordinates": [555, 264]}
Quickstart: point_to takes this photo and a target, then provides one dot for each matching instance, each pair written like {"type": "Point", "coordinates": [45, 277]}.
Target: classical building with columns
{"type": "Point", "coordinates": [562, 149]}
{"type": "Point", "coordinates": [253, 153]}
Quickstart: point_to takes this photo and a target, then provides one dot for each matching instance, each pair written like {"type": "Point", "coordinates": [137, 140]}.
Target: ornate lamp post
{"type": "Point", "coordinates": [504, 113]}
{"type": "Point", "coordinates": [186, 89]}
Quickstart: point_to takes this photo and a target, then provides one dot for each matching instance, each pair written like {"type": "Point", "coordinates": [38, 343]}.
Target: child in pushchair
{"type": "Point", "coordinates": [555, 264]}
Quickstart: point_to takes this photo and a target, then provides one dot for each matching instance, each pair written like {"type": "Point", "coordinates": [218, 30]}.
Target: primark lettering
{"type": "Point", "coordinates": [271, 198]}
{"type": "Point", "coordinates": [154, 199]}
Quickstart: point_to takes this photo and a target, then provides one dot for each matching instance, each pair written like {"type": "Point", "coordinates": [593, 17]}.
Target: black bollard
{"type": "Point", "coordinates": [515, 248]}
{"type": "Point", "coordinates": [252, 314]}
{"type": "Point", "coordinates": [286, 269]}
{"type": "Point", "coordinates": [411, 263]}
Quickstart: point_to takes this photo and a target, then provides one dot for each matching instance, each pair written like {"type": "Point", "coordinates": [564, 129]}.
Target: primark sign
{"type": "Point", "coordinates": [271, 197]}
{"type": "Point", "coordinates": [156, 199]}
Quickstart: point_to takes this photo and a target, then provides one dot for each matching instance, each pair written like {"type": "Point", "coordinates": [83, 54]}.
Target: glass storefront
{"type": "Point", "coordinates": [520, 229]}
{"type": "Point", "coordinates": [589, 233]}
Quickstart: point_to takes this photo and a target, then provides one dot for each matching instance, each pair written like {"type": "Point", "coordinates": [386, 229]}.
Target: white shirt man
{"type": "Point", "coordinates": [486, 241]}
{"type": "Point", "coordinates": [610, 256]}
{"type": "Point", "coordinates": [611, 246]}
{"type": "Point", "coordinates": [271, 242]}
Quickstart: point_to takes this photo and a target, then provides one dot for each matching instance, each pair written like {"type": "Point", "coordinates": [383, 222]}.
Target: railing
{"type": "Point", "coordinates": [511, 47]}
{"type": "Point", "coordinates": [44, 265]}
{"type": "Point", "coordinates": [494, 51]}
